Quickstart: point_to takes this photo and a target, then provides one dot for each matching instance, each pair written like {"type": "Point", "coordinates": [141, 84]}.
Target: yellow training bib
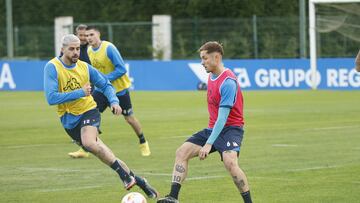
{"type": "Point", "coordinates": [70, 79]}
{"type": "Point", "coordinates": [101, 61]}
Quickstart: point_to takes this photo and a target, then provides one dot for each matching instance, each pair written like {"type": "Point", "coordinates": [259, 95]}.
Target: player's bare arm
{"type": "Point", "coordinates": [204, 151]}
{"type": "Point", "coordinates": [357, 62]}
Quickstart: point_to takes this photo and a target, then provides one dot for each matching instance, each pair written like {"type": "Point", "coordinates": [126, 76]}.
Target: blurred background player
{"type": "Point", "coordinates": [225, 130]}
{"type": "Point", "coordinates": [357, 62]}
{"type": "Point", "coordinates": [67, 85]}
{"type": "Point", "coordinates": [107, 59]}
{"type": "Point", "coordinates": [80, 33]}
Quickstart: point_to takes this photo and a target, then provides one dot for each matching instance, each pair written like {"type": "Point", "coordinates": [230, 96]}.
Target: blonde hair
{"type": "Point", "coordinates": [69, 38]}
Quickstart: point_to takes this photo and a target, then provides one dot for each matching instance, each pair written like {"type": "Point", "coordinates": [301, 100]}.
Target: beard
{"type": "Point", "coordinates": [75, 58]}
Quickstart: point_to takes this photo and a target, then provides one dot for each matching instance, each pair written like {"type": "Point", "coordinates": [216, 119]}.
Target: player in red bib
{"type": "Point", "coordinates": [225, 130]}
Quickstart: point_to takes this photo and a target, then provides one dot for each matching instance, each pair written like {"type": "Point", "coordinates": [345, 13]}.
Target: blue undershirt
{"type": "Point", "coordinates": [228, 94]}
{"type": "Point", "coordinates": [54, 97]}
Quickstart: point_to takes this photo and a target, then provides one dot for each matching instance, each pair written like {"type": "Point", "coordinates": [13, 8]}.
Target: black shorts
{"type": "Point", "coordinates": [91, 118]}
{"type": "Point", "coordinates": [230, 138]}
{"type": "Point", "coordinates": [125, 102]}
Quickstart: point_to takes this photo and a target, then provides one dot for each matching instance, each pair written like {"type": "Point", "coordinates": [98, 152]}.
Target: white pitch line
{"type": "Point", "coordinates": [175, 137]}
{"type": "Point", "coordinates": [49, 169]}
{"type": "Point", "coordinates": [86, 187]}
{"type": "Point", "coordinates": [204, 177]}
{"type": "Point", "coordinates": [284, 145]}
{"type": "Point", "coordinates": [301, 124]}
{"type": "Point", "coordinates": [312, 168]}
{"type": "Point", "coordinates": [30, 145]}
{"type": "Point", "coordinates": [272, 178]}
{"type": "Point", "coordinates": [334, 127]}
{"type": "Point", "coordinates": [189, 178]}
{"type": "Point", "coordinates": [74, 188]}
{"type": "Point", "coordinates": [156, 174]}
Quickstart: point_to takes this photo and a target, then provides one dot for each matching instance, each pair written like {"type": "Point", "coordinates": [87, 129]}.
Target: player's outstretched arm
{"type": "Point", "coordinates": [357, 62]}
{"type": "Point", "coordinates": [103, 85]}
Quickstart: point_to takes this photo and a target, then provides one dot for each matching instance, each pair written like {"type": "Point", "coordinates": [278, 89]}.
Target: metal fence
{"type": "Point", "coordinates": [244, 38]}
{"type": "Point", "coordinates": [134, 40]}
{"type": "Point", "coordinates": [3, 43]}
{"type": "Point", "coordinates": [30, 42]}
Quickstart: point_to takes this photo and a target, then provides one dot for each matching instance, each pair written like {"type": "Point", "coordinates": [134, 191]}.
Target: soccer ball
{"type": "Point", "coordinates": [133, 197]}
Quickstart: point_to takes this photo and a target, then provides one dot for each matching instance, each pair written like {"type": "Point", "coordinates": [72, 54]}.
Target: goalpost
{"type": "Point", "coordinates": [312, 34]}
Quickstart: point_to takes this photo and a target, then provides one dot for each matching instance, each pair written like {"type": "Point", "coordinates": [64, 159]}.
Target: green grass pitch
{"type": "Point", "coordinates": [299, 146]}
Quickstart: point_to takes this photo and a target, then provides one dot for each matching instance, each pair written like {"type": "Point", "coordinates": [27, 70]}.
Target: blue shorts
{"type": "Point", "coordinates": [91, 118]}
{"type": "Point", "coordinates": [229, 139]}
{"type": "Point", "coordinates": [102, 102]}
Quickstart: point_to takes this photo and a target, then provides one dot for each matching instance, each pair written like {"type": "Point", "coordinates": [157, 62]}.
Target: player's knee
{"type": "Point", "coordinates": [181, 153]}
{"type": "Point", "coordinates": [89, 145]}
{"type": "Point", "coordinates": [230, 164]}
